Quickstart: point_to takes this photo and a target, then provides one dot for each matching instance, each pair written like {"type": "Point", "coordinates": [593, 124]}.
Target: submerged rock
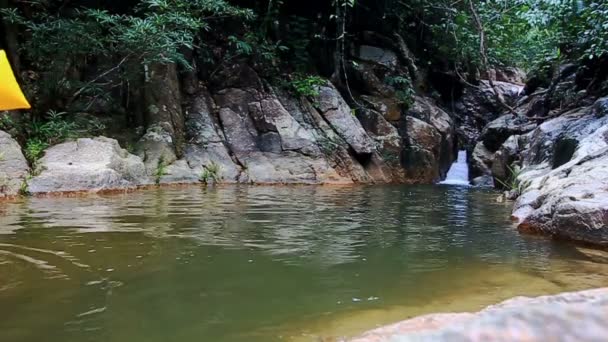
{"type": "Point", "coordinates": [13, 166]}
{"type": "Point", "coordinates": [576, 316]}
{"type": "Point", "coordinates": [88, 165]}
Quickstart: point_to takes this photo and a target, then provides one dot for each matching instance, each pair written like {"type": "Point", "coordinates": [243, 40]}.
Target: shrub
{"type": "Point", "coordinates": [404, 91]}
{"type": "Point", "coordinates": [211, 173]}
{"type": "Point", "coordinates": [161, 170]}
{"type": "Point", "coordinates": [307, 86]}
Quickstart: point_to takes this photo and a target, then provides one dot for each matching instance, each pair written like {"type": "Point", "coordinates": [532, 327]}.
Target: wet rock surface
{"type": "Point", "coordinates": [575, 316]}
{"type": "Point", "coordinates": [13, 166]}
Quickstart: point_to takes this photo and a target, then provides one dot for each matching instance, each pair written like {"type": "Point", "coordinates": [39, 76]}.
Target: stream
{"type": "Point", "coordinates": [240, 263]}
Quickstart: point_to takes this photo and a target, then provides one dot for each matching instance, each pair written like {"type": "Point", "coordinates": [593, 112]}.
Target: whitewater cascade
{"type": "Point", "coordinates": [459, 172]}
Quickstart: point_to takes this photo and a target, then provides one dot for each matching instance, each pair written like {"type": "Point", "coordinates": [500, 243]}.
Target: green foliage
{"type": "Point", "coordinates": [6, 122]}
{"type": "Point", "coordinates": [34, 149]}
{"type": "Point", "coordinates": [404, 90]}
{"type": "Point", "coordinates": [23, 188]}
{"type": "Point", "coordinates": [156, 31]}
{"type": "Point", "coordinates": [54, 130]}
{"type": "Point", "coordinates": [595, 35]}
{"type": "Point", "coordinates": [258, 46]}
{"type": "Point", "coordinates": [513, 183]}
{"type": "Point", "coordinates": [307, 85]}
{"type": "Point", "coordinates": [524, 33]}
{"type": "Point", "coordinates": [298, 42]}
{"type": "Point", "coordinates": [42, 134]}
{"type": "Point", "coordinates": [161, 170]}
{"type": "Point", "coordinates": [211, 173]}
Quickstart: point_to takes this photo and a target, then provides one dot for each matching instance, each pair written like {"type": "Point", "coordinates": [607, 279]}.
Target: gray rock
{"type": "Point", "coordinates": [511, 75]}
{"type": "Point", "coordinates": [428, 111]}
{"type": "Point", "coordinates": [156, 147]}
{"type": "Point", "coordinates": [197, 158]}
{"type": "Point", "coordinates": [499, 130]}
{"type": "Point", "coordinates": [481, 161]}
{"type": "Point", "coordinates": [88, 165]}
{"type": "Point", "coordinates": [269, 115]}
{"type": "Point", "coordinates": [483, 181]}
{"type": "Point", "coordinates": [431, 147]}
{"type": "Point", "coordinates": [337, 112]}
{"type": "Point", "coordinates": [576, 316]}
{"type": "Point", "coordinates": [13, 166]}
{"type": "Point", "coordinates": [240, 131]}
{"type": "Point", "coordinates": [289, 168]}
{"type": "Point", "coordinates": [206, 148]}
{"type": "Point", "coordinates": [421, 151]}
{"type": "Point", "coordinates": [201, 126]}
{"type": "Point", "coordinates": [383, 132]}
{"type": "Point", "coordinates": [568, 200]}
{"type": "Point", "coordinates": [377, 55]}
{"type": "Point", "coordinates": [504, 159]}
{"type": "Point", "coordinates": [270, 146]}
{"type": "Point", "coordinates": [389, 108]}
{"type": "Point", "coordinates": [478, 107]}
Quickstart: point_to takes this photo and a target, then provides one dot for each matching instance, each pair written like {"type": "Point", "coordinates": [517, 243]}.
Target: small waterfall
{"type": "Point", "coordinates": [459, 172]}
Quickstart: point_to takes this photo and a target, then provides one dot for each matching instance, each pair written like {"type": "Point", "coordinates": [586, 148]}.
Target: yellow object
{"type": "Point", "coordinates": [11, 96]}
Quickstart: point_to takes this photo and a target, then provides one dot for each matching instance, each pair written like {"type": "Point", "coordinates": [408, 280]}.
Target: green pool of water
{"type": "Point", "coordinates": [265, 263]}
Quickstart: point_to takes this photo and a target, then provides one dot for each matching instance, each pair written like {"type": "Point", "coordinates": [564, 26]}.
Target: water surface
{"type": "Point", "coordinates": [265, 263]}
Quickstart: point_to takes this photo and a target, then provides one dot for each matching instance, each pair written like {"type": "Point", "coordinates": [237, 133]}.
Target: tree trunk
{"type": "Point", "coordinates": [483, 52]}
{"type": "Point", "coordinates": [162, 100]}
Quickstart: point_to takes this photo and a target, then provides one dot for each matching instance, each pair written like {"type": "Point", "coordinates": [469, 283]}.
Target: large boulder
{"type": "Point", "coordinates": [13, 166]}
{"type": "Point", "coordinates": [575, 316]}
{"type": "Point", "coordinates": [480, 163]}
{"type": "Point", "coordinates": [88, 165]}
{"type": "Point", "coordinates": [429, 141]}
{"type": "Point", "coordinates": [499, 130]}
{"type": "Point", "coordinates": [289, 168]}
{"type": "Point", "coordinates": [505, 159]}
{"type": "Point", "coordinates": [478, 106]}
{"type": "Point", "coordinates": [386, 58]}
{"type": "Point", "coordinates": [156, 148]}
{"type": "Point", "coordinates": [271, 117]}
{"type": "Point", "coordinates": [271, 145]}
{"type": "Point", "coordinates": [206, 147]}
{"type": "Point", "coordinates": [339, 115]}
{"type": "Point", "coordinates": [421, 152]}
{"type": "Point", "coordinates": [565, 190]}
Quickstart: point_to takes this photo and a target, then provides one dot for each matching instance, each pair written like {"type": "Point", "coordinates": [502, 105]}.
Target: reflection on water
{"type": "Point", "coordinates": [264, 263]}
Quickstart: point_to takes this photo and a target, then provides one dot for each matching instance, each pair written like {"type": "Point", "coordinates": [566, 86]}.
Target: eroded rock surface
{"type": "Point", "coordinates": [428, 142]}
{"type": "Point", "coordinates": [88, 165]}
{"type": "Point", "coordinates": [564, 178]}
{"type": "Point", "coordinates": [576, 316]}
{"type": "Point", "coordinates": [13, 166]}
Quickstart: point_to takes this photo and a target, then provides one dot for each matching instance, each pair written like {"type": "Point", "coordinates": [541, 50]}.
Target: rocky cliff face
{"type": "Point", "coordinates": [234, 127]}
{"type": "Point", "coordinates": [552, 157]}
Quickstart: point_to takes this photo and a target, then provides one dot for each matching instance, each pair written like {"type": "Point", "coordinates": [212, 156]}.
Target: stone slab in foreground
{"type": "Point", "coordinates": [575, 316]}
